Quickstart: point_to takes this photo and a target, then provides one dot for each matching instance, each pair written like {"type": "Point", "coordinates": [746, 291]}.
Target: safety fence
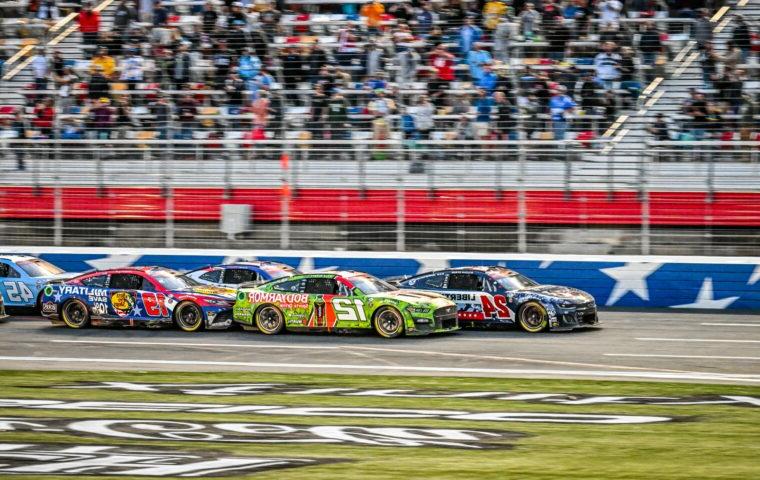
{"type": "Point", "coordinates": [525, 196]}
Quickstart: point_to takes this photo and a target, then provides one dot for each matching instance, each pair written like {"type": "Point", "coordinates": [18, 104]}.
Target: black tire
{"type": "Point", "coordinates": [532, 317]}
{"type": "Point", "coordinates": [189, 317]}
{"type": "Point", "coordinates": [388, 322]}
{"type": "Point", "coordinates": [269, 320]}
{"type": "Point", "coordinates": [75, 314]}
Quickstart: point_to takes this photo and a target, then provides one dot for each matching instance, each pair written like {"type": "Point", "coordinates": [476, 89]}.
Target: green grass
{"type": "Point", "coordinates": [710, 441]}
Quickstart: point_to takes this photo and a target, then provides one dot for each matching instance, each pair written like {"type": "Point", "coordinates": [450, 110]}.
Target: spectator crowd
{"type": "Point", "coordinates": [517, 69]}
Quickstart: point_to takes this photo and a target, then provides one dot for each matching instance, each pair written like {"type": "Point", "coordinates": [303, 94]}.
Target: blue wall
{"type": "Point", "coordinates": [708, 282]}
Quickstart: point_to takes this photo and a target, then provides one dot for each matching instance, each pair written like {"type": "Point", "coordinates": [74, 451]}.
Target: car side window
{"type": "Point", "coordinates": [290, 286]}
{"type": "Point", "coordinates": [235, 276]}
{"type": "Point", "coordinates": [321, 286]}
{"type": "Point", "coordinates": [431, 281]}
{"type": "Point", "coordinates": [6, 271]}
{"type": "Point", "coordinates": [212, 276]}
{"type": "Point", "coordinates": [96, 281]}
{"type": "Point", "coordinates": [126, 281]}
{"type": "Point", "coordinates": [464, 281]}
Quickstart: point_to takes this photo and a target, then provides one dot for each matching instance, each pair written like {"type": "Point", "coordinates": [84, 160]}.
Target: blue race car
{"type": "Point", "coordinates": [233, 274]}
{"type": "Point", "coordinates": [149, 296]}
{"type": "Point", "coordinates": [22, 279]}
{"type": "Point", "coordinates": [492, 296]}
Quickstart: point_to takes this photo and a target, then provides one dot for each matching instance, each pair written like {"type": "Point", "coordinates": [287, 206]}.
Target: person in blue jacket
{"type": "Point", "coordinates": [469, 34]}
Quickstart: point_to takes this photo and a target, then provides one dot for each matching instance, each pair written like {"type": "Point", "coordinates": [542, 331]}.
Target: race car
{"type": "Point", "coordinates": [491, 296]}
{"type": "Point", "coordinates": [342, 301]}
{"type": "Point", "coordinates": [233, 274]}
{"type": "Point", "coordinates": [3, 315]}
{"type": "Point", "coordinates": [22, 279]}
{"type": "Point", "coordinates": [150, 296]}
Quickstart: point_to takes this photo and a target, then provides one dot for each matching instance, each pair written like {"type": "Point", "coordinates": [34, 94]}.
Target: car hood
{"type": "Point", "coordinates": [414, 297]}
{"type": "Point", "coordinates": [561, 293]}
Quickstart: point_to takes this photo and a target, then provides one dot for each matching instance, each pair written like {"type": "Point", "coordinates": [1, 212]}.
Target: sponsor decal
{"type": "Point", "coordinates": [283, 299]}
{"type": "Point", "coordinates": [123, 303]}
{"type": "Point", "coordinates": [99, 308]}
{"type": "Point", "coordinates": [351, 412]}
{"type": "Point", "coordinates": [263, 433]}
{"type": "Point", "coordinates": [87, 460]}
{"type": "Point", "coordinates": [48, 290]}
{"type": "Point", "coordinates": [241, 389]}
{"type": "Point", "coordinates": [49, 307]}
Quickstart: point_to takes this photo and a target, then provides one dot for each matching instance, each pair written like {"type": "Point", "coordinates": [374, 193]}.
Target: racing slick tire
{"type": "Point", "coordinates": [189, 317]}
{"type": "Point", "coordinates": [388, 322]}
{"type": "Point", "coordinates": [269, 320]}
{"type": "Point", "coordinates": [532, 317]}
{"type": "Point", "coordinates": [75, 314]}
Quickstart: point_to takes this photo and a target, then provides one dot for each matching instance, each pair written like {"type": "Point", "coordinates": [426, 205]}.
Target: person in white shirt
{"type": "Point", "coordinates": [132, 70]}
{"type": "Point", "coordinates": [41, 69]}
{"type": "Point", "coordinates": [609, 11]}
{"type": "Point", "coordinates": [607, 65]}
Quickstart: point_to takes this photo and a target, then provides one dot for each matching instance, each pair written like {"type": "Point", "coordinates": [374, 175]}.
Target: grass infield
{"type": "Point", "coordinates": [705, 442]}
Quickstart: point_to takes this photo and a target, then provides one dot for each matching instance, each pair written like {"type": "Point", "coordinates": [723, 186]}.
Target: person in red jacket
{"type": "Point", "coordinates": [89, 24]}
{"type": "Point", "coordinates": [44, 117]}
{"type": "Point", "coordinates": [443, 62]}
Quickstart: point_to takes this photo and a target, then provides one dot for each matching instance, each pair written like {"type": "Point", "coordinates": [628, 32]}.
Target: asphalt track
{"type": "Point", "coordinates": [661, 346]}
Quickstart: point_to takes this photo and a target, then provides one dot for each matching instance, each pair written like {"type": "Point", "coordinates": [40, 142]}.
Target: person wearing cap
{"type": "Point", "coordinates": [89, 24]}
{"type": "Point", "coordinates": [560, 105]}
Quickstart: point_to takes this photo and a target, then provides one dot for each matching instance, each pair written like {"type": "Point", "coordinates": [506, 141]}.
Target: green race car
{"type": "Point", "coordinates": [342, 301]}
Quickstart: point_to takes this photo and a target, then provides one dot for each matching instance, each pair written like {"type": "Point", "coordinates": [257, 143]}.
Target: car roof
{"type": "Point", "coordinates": [17, 258]}
{"type": "Point", "coordinates": [248, 263]}
{"type": "Point", "coordinates": [147, 270]}
{"type": "Point", "coordinates": [473, 268]}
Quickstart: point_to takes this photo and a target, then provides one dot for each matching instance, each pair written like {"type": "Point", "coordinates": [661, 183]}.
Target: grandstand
{"type": "Point", "coordinates": [497, 106]}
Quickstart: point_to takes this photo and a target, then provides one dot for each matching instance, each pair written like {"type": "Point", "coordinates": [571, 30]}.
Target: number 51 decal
{"type": "Point", "coordinates": [348, 310]}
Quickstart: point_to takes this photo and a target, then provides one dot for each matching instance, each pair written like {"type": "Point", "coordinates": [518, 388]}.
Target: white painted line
{"type": "Point", "coordinates": [656, 355]}
{"type": "Point", "coordinates": [195, 344]}
{"type": "Point", "coordinates": [730, 324]}
{"type": "Point", "coordinates": [694, 340]}
{"type": "Point", "coordinates": [353, 348]}
{"type": "Point", "coordinates": [386, 369]}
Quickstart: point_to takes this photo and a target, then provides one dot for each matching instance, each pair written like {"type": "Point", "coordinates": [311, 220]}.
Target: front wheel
{"type": "Point", "coordinates": [270, 320]}
{"type": "Point", "coordinates": [75, 314]}
{"type": "Point", "coordinates": [189, 317]}
{"type": "Point", "coordinates": [389, 323]}
{"type": "Point", "coordinates": [533, 317]}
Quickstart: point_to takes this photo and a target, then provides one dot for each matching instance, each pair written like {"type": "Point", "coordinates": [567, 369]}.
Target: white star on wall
{"type": "Point", "coordinates": [755, 276]}
{"type": "Point", "coordinates": [113, 261]}
{"type": "Point", "coordinates": [432, 264]}
{"type": "Point", "coordinates": [631, 277]}
{"type": "Point", "coordinates": [706, 298]}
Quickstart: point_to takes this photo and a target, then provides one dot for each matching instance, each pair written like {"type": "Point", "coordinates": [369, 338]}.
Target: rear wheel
{"type": "Point", "coordinates": [75, 314]}
{"type": "Point", "coordinates": [388, 322]}
{"type": "Point", "coordinates": [270, 320]}
{"type": "Point", "coordinates": [533, 318]}
{"type": "Point", "coordinates": [189, 317]}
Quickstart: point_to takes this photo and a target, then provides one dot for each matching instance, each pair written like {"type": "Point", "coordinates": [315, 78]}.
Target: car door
{"type": "Point", "coordinates": [234, 276]}
{"type": "Point", "coordinates": [97, 295]}
{"type": "Point", "coordinates": [125, 296]}
{"type": "Point", "coordinates": [15, 292]}
{"type": "Point", "coordinates": [323, 292]}
{"type": "Point", "coordinates": [464, 288]}
{"type": "Point", "coordinates": [153, 300]}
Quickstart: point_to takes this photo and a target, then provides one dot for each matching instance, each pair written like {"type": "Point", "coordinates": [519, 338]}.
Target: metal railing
{"type": "Point", "coordinates": [526, 196]}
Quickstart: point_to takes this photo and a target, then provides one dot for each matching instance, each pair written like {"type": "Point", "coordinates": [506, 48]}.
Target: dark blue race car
{"type": "Point", "coordinates": [233, 274]}
{"type": "Point", "coordinates": [491, 296]}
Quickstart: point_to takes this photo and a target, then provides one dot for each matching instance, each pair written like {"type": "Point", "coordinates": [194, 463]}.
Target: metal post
{"type": "Point", "coordinates": [169, 203]}
{"type": "Point", "coordinates": [285, 204]}
{"type": "Point", "coordinates": [400, 208]}
{"type": "Point", "coordinates": [522, 231]}
{"type": "Point", "coordinates": [57, 214]}
{"type": "Point", "coordinates": [645, 233]}
{"type": "Point", "coordinates": [568, 172]}
{"type": "Point", "coordinates": [710, 178]}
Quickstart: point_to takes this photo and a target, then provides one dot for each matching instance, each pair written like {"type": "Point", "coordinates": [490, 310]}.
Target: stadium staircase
{"type": "Point", "coordinates": [17, 76]}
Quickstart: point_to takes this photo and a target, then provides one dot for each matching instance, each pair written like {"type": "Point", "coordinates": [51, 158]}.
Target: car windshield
{"type": "Point", "coordinates": [514, 281]}
{"type": "Point", "coordinates": [173, 280]}
{"type": "Point", "coordinates": [39, 268]}
{"type": "Point", "coordinates": [370, 285]}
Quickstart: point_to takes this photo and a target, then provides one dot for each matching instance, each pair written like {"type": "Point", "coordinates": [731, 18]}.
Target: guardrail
{"type": "Point", "coordinates": [387, 194]}
{"type": "Point", "coordinates": [614, 281]}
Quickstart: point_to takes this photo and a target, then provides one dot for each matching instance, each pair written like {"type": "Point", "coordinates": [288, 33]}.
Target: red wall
{"type": "Point", "coordinates": [443, 206]}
